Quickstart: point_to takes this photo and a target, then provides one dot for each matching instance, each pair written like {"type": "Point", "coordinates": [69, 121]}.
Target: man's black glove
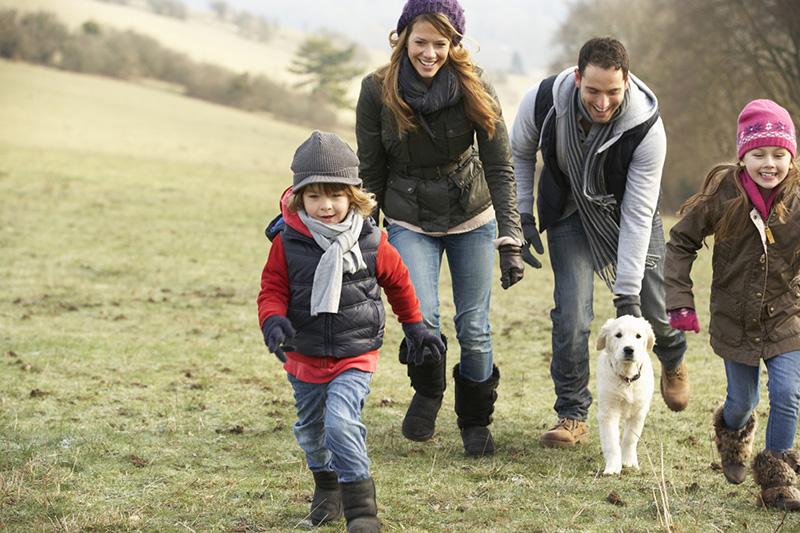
{"type": "Point", "coordinates": [511, 265]}
{"type": "Point", "coordinates": [532, 238]}
{"type": "Point", "coordinates": [419, 341]}
{"type": "Point", "coordinates": [277, 329]}
{"type": "Point", "coordinates": [628, 304]}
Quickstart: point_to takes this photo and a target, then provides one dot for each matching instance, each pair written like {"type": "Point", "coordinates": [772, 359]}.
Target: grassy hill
{"type": "Point", "coordinates": [135, 390]}
{"type": "Point", "coordinates": [204, 39]}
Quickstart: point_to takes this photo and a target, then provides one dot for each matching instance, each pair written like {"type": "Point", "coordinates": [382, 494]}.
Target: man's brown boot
{"type": "Point", "coordinates": [565, 434]}
{"type": "Point", "coordinates": [675, 387]}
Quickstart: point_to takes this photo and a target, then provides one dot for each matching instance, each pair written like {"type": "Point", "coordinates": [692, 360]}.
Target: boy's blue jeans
{"type": "Point", "coordinates": [470, 257]}
{"type": "Point", "coordinates": [783, 384]}
{"type": "Point", "coordinates": [329, 427]}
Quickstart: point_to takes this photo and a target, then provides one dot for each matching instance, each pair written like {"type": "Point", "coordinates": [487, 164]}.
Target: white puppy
{"type": "Point", "coordinates": [624, 388]}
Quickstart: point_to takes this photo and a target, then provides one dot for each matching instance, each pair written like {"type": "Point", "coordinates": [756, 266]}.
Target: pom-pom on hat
{"type": "Point", "coordinates": [324, 158]}
{"type": "Point", "coordinates": [765, 123]}
{"type": "Point", "coordinates": [449, 8]}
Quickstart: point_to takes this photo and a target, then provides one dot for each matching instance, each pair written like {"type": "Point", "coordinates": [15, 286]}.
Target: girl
{"type": "Point", "coordinates": [753, 210]}
{"type": "Point", "coordinates": [417, 120]}
{"type": "Point", "coordinates": [320, 302]}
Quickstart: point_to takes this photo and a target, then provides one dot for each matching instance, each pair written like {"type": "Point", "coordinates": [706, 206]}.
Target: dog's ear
{"type": "Point", "coordinates": [601, 337]}
{"type": "Point", "coordinates": [651, 337]}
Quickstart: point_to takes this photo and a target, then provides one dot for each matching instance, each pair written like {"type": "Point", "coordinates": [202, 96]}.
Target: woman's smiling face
{"type": "Point", "coordinates": [427, 49]}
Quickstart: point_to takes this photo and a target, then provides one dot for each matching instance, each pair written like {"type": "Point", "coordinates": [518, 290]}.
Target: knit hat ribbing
{"type": "Point", "coordinates": [449, 8]}
{"type": "Point", "coordinates": [324, 158]}
{"type": "Point", "coordinates": [765, 123]}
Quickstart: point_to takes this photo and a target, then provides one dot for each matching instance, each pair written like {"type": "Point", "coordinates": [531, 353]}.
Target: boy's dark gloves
{"type": "Point", "coordinates": [511, 266]}
{"type": "Point", "coordinates": [277, 330]}
{"type": "Point", "coordinates": [628, 304]}
{"type": "Point", "coordinates": [532, 238]}
{"type": "Point", "coordinates": [421, 341]}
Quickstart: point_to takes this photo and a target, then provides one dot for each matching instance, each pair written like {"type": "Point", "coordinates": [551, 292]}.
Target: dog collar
{"type": "Point", "coordinates": [628, 380]}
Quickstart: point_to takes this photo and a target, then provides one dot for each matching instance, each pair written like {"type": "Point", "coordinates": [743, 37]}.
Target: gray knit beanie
{"type": "Point", "coordinates": [324, 158]}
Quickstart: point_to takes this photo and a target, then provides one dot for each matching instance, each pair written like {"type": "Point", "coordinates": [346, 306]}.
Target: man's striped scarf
{"type": "Point", "coordinates": [585, 167]}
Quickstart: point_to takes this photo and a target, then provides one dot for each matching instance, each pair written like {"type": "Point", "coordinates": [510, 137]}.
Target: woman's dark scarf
{"type": "Point", "coordinates": [445, 91]}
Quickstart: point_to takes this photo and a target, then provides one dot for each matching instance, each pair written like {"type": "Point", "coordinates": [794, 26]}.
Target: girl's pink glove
{"type": "Point", "coordinates": [684, 319]}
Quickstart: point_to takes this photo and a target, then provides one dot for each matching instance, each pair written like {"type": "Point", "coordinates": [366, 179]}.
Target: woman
{"type": "Point", "coordinates": [417, 121]}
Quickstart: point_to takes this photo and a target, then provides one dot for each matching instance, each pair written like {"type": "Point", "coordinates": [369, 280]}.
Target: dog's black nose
{"type": "Point", "coordinates": [628, 351]}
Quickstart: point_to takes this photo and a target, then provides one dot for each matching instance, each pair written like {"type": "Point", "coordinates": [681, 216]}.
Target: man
{"type": "Point", "coordinates": [603, 147]}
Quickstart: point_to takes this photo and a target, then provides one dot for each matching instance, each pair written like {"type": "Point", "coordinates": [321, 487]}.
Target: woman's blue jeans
{"type": "Point", "coordinates": [783, 385]}
{"type": "Point", "coordinates": [470, 257]}
{"type": "Point", "coordinates": [329, 427]}
{"type": "Point", "coordinates": [571, 260]}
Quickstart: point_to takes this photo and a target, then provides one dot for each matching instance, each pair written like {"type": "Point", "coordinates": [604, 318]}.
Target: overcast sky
{"type": "Point", "coordinates": [500, 27]}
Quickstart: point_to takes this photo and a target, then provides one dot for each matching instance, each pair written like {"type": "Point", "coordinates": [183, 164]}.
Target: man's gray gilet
{"type": "Point", "coordinates": [358, 326]}
{"type": "Point", "coordinates": [553, 183]}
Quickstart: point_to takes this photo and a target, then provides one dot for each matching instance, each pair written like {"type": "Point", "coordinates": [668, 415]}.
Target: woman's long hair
{"type": "Point", "coordinates": [735, 213]}
{"type": "Point", "coordinates": [479, 106]}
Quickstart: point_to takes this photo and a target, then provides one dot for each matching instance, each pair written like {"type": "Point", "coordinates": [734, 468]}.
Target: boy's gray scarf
{"type": "Point", "coordinates": [342, 255]}
{"type": "Point", "coordinates": [596, 207]}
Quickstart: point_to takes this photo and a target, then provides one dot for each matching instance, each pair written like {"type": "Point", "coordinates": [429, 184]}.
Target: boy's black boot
{"type": "Point", "coordinates": [360, 509]}
{"type": "Point", "coordinates": [474, 407]}
{"type": "Point", "coordinates": [734, 446]}
{"type": "Point", "coordinates": [326, 505]}
{"type": "Point", "coordinates": [429, 381]}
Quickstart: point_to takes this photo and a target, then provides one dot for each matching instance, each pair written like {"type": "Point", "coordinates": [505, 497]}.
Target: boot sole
{"type": "Point", "coordinates": [560, 443]}
{"type": "Point", "coordinates": [419, 438]}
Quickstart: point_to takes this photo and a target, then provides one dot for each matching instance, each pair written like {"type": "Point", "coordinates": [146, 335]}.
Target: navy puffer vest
{"type": "Point", "coordinates": [554, 185]}
{"type": "Point", "coordinates": [358, 326]}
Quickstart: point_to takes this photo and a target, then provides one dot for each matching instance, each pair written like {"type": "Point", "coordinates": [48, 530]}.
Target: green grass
{"type": "Point", "coordinates": [135, 390]}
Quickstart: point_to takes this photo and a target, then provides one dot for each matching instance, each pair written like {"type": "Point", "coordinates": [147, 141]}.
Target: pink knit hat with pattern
{"type": "Point", "coordinates": [765, 123]}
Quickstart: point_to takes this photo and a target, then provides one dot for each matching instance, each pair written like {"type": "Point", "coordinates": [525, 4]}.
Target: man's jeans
{"type": "Point", "coordinates": [783, 385]}
{"type": "Point", "coordinates": [571, 260]}
{"type": "Point", "coordinates": [470, 257]}
{"type": "Point", "coordinates": [329, 427]}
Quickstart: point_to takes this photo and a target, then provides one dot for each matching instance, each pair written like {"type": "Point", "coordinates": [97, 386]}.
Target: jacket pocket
{"type": "Point", "coordinates": [726, 321]}
{"type": "Point", "coordinates": [470, 186]}
{"type": "Point", "coordinates": [460, 134]}
{"type": "Point", "coordinates": [783, 316]}
{"type": "Point", "coordinates": [400, 198]}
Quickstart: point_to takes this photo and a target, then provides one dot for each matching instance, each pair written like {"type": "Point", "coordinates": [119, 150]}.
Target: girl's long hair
{"type": "Point", "coordinates": [479, 106]}
{"type": "Point", "coordinates": [735, 212]}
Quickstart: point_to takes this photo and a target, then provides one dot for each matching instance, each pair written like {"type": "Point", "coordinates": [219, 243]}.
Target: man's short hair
{"type": "Point", "coordinates": [604, 52]}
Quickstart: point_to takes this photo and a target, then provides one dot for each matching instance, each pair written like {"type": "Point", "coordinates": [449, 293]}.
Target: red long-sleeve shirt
{"type": "Point", "coordinates": [273, 299]}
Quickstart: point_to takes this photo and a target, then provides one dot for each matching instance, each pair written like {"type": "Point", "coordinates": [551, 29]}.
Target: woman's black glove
{"type": "Point", "coordinates": [421, 341]}
{"type": "Point", "coordinates": [277, 330]}
{"type": "Point", "coordinates": [511, 266]}
{"type": "Point", "coordinates": [532, 238]}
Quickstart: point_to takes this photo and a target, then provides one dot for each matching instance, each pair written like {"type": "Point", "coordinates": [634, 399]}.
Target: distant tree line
{"type": "Point", "coordinates": [168, 8]}
{"type": "Point", "coordinates": [248, 25]}
{"type": "Point", "coordinates": [41, 38]}
{"type": "Point", "coordinates": [704, 60]}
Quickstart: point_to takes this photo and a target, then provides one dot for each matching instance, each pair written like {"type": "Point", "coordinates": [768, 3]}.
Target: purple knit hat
{"type": "Point", "coordinates": [765, 123]}
{"type": "Point", "coordinates": [449, 8]}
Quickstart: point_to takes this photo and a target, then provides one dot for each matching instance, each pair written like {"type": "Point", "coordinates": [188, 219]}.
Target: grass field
{"type": "Point", "coordinates": [135, 390]}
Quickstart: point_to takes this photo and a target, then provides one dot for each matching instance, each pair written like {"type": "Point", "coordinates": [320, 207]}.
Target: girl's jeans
{"type": "Point", "coordinates": [329, 428]}
{"type": "Point", "coordinates": [783, 384]}
{"type": "Point", "coordinates": [470, 257]}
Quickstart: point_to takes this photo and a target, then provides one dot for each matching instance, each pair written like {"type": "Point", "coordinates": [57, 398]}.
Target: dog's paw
{"type": "Point", "coordinates": [612, 468]}
{"type": "Point", "coordinates": [634, 464]}
{"type": "Point", "coordinates": [629, 460]}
